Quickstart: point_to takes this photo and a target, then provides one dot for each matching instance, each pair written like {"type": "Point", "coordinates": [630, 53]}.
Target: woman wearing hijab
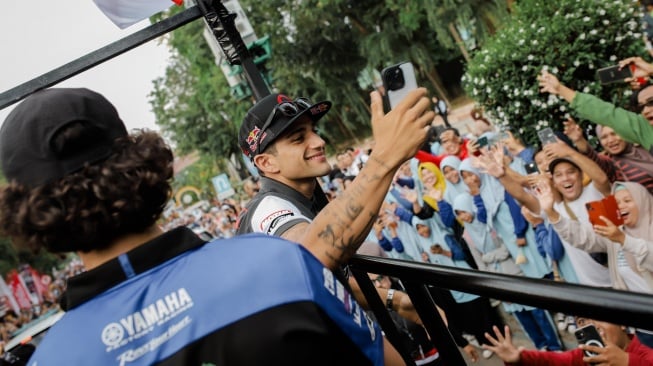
{"type": "Point", "coordinates": [493, 256]}
{"type": "Point", "coordinates": [468, 312]}
{"type": "Point", "coordinates": [435, 183]}
{"type": "Point", "coordinates": [455, 184]}
{"type": "Point", "coordinates": [629, 248]}
{"type": "Point", "coordinates": [503, 215]}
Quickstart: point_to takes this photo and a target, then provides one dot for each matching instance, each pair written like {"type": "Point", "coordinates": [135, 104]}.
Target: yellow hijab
{"type": "Point", "coordinates": [440, 183]}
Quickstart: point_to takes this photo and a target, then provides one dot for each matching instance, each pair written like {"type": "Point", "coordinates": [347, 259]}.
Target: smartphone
{"type": "Point", "coordinates": [607, 207]}
{"type": "Point", "coordinates": [531, 168]}
{"type": "Point", "coordinates": [590, 336]}
{"type": "Point", "coordinates": [613, 74]}
{"type": "Point", "coordinates": [482, 141]}
{"type": "Point", "coordinates": [547, 136]}
{"type": "Point", "coordinates": [398, 81]}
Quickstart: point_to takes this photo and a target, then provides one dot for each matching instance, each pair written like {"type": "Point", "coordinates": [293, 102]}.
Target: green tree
{"type": "Point", "coordinates": [191, 102]}
{"type": "Point", "coordinates": [199, 175]}
{"type": "Point", "coordinates": [570, 38]}
{"type": "Point", "coordinates": [320, 48]}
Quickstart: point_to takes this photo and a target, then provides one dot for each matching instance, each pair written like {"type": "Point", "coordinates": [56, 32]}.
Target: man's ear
{"type": "Point", "coordinates": [267, 163]}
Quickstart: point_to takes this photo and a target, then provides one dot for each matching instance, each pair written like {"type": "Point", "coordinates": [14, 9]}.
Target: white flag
{"type": "Point", "coordinates": [124, 13]}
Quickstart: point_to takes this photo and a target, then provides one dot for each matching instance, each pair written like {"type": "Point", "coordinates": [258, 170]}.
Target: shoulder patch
{"type": "Point", "coordinates": [271, 221]}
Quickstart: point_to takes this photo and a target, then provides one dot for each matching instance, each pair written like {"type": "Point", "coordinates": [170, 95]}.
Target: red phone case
{"type": "Point", "coordinates": [607, 208]}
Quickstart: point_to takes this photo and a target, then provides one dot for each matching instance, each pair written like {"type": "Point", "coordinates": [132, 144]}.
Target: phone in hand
{"type": "Point", "coordinates": [607, 207]}
{"type": "Point", "coordinates": [531, 168]}
{"type": "Point", "coordinates": [547, 136]}
{"type": "Point", "coordinates": [588, 335]}
{"type": "Point", "coordinates": [398, 80]}
{"type": "Point", "coordinates": [614, 74]}
{"type": "Point", "coordinates": [482, 142]}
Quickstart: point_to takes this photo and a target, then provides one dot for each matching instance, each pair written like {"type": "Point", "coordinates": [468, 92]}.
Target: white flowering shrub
{"type": "Point", "coordinates": [569, 38]}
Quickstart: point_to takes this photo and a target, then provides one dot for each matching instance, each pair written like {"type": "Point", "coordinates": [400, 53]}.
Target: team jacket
{"type": "Point", "coordinates": [277, 208]}
{"type": "Point", "coordinates": [250, 300]}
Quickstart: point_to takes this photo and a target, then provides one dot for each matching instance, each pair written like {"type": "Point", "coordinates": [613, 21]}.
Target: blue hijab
{"type": "Point", "coordinates": [452, 190]}
{"type": "Point", "coordinates": [492, 192]}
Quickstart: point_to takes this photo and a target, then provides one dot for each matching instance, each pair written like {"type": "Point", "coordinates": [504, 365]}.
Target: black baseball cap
{"type": "Point", "coordinates": [557, 161]}
{"type": "Point", "coordinates": [259, 114]}
{"type": "Point", "coordinates": [29, 154]}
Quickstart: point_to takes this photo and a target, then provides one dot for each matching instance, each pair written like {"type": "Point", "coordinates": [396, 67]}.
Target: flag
{"type": "Point", "coordinates": [19, 290]}
{"type": "Point", "coordinates": [7, 298]}
{"type": "Point", "coordinates": [124, 13]}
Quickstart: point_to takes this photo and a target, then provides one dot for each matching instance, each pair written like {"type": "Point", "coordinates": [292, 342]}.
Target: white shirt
{"type": "Point", "coordinates": [588, 271]}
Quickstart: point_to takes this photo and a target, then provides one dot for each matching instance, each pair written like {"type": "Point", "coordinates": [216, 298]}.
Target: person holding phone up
{"type": "Point", "coordinates": [622, 349]}
{"type": "Point", "coordinates": [633, 127]}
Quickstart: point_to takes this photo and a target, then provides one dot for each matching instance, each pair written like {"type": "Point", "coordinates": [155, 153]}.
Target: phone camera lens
{"type": "Point", "coordinates": [396, 79]}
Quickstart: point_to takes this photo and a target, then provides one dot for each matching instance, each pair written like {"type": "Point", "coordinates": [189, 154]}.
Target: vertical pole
{"type": "Point", "coordinates": [381, 314]}
{"type": "Point", "coordinates": [433, 323]}
{"type": "Point", "coordinates": [223, 27]}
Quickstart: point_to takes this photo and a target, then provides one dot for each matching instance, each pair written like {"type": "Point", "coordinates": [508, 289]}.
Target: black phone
{"type": "Point", "coordinates": [482, 141]}
{"type": "Point", "coordinates": [398, 80]}
{"type": "Point", "coordinates": [614, 74]}
{"type": "Point", "coordinates": [547, 136]}
{"type": "Point", "coordinates": [588, 335]}
{"type": "Point", "coordinates": [531, 168]}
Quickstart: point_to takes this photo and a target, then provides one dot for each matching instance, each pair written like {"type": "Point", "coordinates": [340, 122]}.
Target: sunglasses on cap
{"type": "Point", "coordinates": [289, 108]}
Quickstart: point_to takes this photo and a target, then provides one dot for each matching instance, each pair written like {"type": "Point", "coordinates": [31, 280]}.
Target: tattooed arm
{"type": "Point", "coordinates": [340, 228]}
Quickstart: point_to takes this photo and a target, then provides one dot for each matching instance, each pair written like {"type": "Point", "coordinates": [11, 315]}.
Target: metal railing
{"type": "Point", "coordinates": [619, 307]}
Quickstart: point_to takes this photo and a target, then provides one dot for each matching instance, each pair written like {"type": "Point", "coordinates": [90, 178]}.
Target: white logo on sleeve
{"type": "Point", "coordinates": [272, 213]}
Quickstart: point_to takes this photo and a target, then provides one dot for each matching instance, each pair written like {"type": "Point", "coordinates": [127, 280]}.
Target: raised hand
{"type": "Point", "coordinates": [610, 355]}
{"type": "Point", "coordinates": [503, 346]}
{"type": "Point", "coordinates": [544, 195]}
{"type": "Point", "coordinates": [435, 193]}
{"type": "Point", "coordinates": [559, 149]}
{"type": "Point", "coordinates": [408, 122]}
{"type": "Point", "coordinates": [409, 194]}
{"type": "Point", "coordinates": [573, 130]}
{"type": "Point", "coordinates": [642, 68]}
{"type": "Point", "coordinates": [549, 83]}
{"type": "Point", "coordinates": [487, 164]}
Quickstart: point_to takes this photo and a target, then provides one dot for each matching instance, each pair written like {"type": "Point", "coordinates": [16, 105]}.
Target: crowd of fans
{"type": "Point", "coordinates": [487, 201]}
{"type": "Point", "coordinates": [13, 323]}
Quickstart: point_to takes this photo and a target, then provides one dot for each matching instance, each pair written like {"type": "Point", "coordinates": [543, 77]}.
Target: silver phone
{"type": "Point", "coordinates": [398, 81]}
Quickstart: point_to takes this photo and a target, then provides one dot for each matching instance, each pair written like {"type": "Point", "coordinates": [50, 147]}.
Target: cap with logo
{"type": "Point", "coordinates": [268, 107]}
{"type": "Point", "coordinates": [34, 152]}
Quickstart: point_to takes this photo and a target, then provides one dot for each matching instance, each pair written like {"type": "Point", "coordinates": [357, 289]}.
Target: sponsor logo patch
{"type": "Point", "coordinates": [141, 322]}
{"type": "Point", "coordinates": [274, 219]}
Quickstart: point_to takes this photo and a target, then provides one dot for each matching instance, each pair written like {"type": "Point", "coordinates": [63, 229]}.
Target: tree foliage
{"type": "Point", "coordinates": [569, 38]}
{"type": "Point", "coordinates": [320, 48]}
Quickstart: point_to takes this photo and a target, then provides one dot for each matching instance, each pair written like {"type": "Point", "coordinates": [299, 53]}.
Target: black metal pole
{"type": "Point", "coordinates": [381, 314]}
{"type": "Point", "coordinates": [223, 27]}
{"type": "Point", "coordinates": [433, 323]}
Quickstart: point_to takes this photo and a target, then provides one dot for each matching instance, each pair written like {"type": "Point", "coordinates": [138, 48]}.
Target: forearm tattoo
{"type": "Point", "coordinates": [338, 233]}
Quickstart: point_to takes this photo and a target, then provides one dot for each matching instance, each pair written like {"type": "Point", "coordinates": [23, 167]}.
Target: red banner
{"type": "Point", "coordinates": [19, 290]}
{"type": "Point", "coordinates": [7, 301]}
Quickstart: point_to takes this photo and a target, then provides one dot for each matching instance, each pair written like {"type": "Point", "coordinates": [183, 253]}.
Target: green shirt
{"type": "Point", "coordinates": [632, 127]}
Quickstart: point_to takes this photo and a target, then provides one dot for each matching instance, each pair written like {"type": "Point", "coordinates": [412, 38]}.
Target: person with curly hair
{"type": "Point", "coordinates": [79, 182]}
